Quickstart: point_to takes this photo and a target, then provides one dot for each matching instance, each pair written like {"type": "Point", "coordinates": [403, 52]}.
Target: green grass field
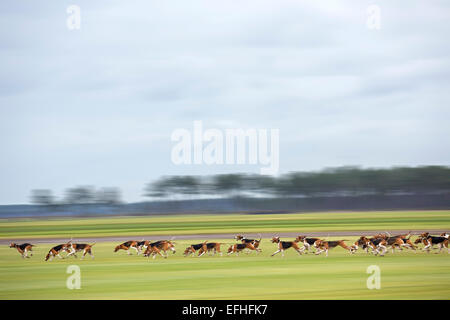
{"type": "Point", "coordinates": [404, 275]}
{"type": "Point", "coordinates": [211, 224]}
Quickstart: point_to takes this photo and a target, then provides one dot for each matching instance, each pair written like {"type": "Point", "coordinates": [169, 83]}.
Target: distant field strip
{"type": "Point", "coordinates": [208, 224]}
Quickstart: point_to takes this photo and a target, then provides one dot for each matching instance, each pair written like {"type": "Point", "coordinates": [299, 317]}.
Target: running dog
{"type": "Point", "coordinates": [324, 246]}
{"type": "Point", "coordinates": [361, 242]}
{"type": "Point", "coordinates": [254, 242]}
{"type": "Point", "coordinates": [143, 245]}
{"type": "Point", "coordinates": [284, 245]}
{"type": "Point", "coordinates": [212, 246]}
{"type": "Point", "coordinates": [73, 248]}
{"type": "Point", "coordinates": [237, 248]}
{"type": "Point", "coordinates": [127, 246]}
{"type": "Point", "coordinates": [23, 249]}
{"type": "Point", "coordinates": [307, 243]}
{"type": "Point", "coordinates": [394, 242]}
{"type": "Point", "coordinates": [193, 248]}
{"type": "Point", "coordinates": [56, 252]}
{"type": "Point", "coordinates": [429, 241]}
{"type": "Point", "coordinates": [155, 248]}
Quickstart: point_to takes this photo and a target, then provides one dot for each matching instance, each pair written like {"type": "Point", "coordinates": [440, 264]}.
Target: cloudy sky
{"type": "Point", "coordinates": [97, 106]}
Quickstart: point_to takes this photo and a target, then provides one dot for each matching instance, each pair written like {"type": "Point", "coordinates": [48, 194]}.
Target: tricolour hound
{"type": "Point", "coordinates": [213, 247]}
{"type": "Point", "coordinates": [73, 248]}
{"type": "Point", "coordinates": [193, 248]}
{"type": "Point", "coordinates": [324, 246]}
{"type": "Point", "coordinates": [284, 245]}
{"type": "Point", "coordinates": [307, 243]}
{"type": "Point", "coordinates": [127, 246]}
{"type": "Point", "coordinates": [56, 252]}
{"type": "Point", "coordinates": [254, 242]}
{"type": "Point", "coordinates": [155, 248]}
{"type": "Point", "coordinates": [429, 241]}
{"type": "Point", "coordinates": [23, 249]}
{"type": "Point", "coordinates": [236, 248]}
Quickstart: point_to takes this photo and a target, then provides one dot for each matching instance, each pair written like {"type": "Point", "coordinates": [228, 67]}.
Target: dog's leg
{"type": "Point", "coordinates": [278, 251]}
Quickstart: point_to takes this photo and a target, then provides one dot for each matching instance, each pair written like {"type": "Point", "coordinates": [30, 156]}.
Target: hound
{"type": "Point", "coordinates": [363, 243]}
{"type": "Point", "coordinates": [193, 248]}
{"type": "Point", "coordinates": [429, 241]}
{"type": "Point", "coordinates": [212, 246]}
{"type": "Point", "coordinates": [23, 249]}
{"type": "Point", "coordinates": [158, 246]}
{"type": "Point", "coordinates": [236, 248]}
{"type": "Point", "coordinates": [394, 242]}
{"type": "Point", "coordinates": [254, 242]}
{"type": "Point", "coordinates": [307, 242]}
{"type": "Point", "coordinates": [376, 244]}
{"type": "Point", "coordinates": [127, 246]}
{"type": "Point", "coordinates": [284, 245]}
{"type": "Point", "coordinates": [73, 248]}
{"type": "Point", "coordinates": [143, 245]}
{"type": "Point", "coordinates": [56, 252]}
{"type": "Point", "coordinates": [406, 240]}
{"type": "Point", "coordinates": [327, 245]}
{"type": "Point", "coordinates": [407, 243]}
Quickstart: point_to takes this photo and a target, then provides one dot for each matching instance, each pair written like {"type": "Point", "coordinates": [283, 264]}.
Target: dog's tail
{"type": "Point", "coordinates": [93, 244]}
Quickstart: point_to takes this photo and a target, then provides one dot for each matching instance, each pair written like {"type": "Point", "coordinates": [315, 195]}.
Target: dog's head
{"type": "Point", "coordinates": [239, 237]}
{"type": "Point", "coordinates": [275, 239]}
{"type": "Point", "coordinates": [424, 235]}
{"type": "Point", "coordinates": [12, 245]}
{"type": "Point", "coordinates": [188, 251]}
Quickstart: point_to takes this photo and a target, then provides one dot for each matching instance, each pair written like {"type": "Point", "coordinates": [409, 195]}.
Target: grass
{"type": "Point", "coordinates": [404, 275]}
{"type": "Point", "coordinates": [204, 224]}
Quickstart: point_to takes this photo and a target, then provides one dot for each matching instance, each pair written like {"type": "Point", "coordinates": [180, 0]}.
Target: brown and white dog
{"type": "Point", "coordinates": [307, 243]}
{"type": "Point", "coordinates": [155, 248]}
{"type": "Point", "coordinates": [324, 246]}
{"type": "Point", "coordinates": [363, 243]}
{"type": "Point", "coordinates": [237, 248]}
{"type": "Point", "coordinates": [284, 245]}
{"type": "Point", "coordinates": [73, 248]}
{"type": "Point", "coordinates": [394, 242]}
{"type": "Point", "coordinates": [23, 249]}
{"type": "Point", "coordinates": [193, 248]}
{"type": "Point", "coordinates": [143, 245]}
{"type": "Point", "coordinates": [127, 246]}
{"type": "Point", "coordinates": [56, 252]}
{"type": "Point", "coordinates": [429, 241]}
{"type": "Point", "coordinates": [254, 242]}
{"type": "Point", "coordinates": [213, 247]}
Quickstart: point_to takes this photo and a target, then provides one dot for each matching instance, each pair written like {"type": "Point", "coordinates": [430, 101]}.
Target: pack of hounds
{"type": "Point", "coordinates": [377, 245]}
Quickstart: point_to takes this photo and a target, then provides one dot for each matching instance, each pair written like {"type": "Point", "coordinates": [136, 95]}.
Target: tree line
{"type": "Point", "coordinates": [78, 196]}
{"type": "Point", "coordinates": [341, 181]}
